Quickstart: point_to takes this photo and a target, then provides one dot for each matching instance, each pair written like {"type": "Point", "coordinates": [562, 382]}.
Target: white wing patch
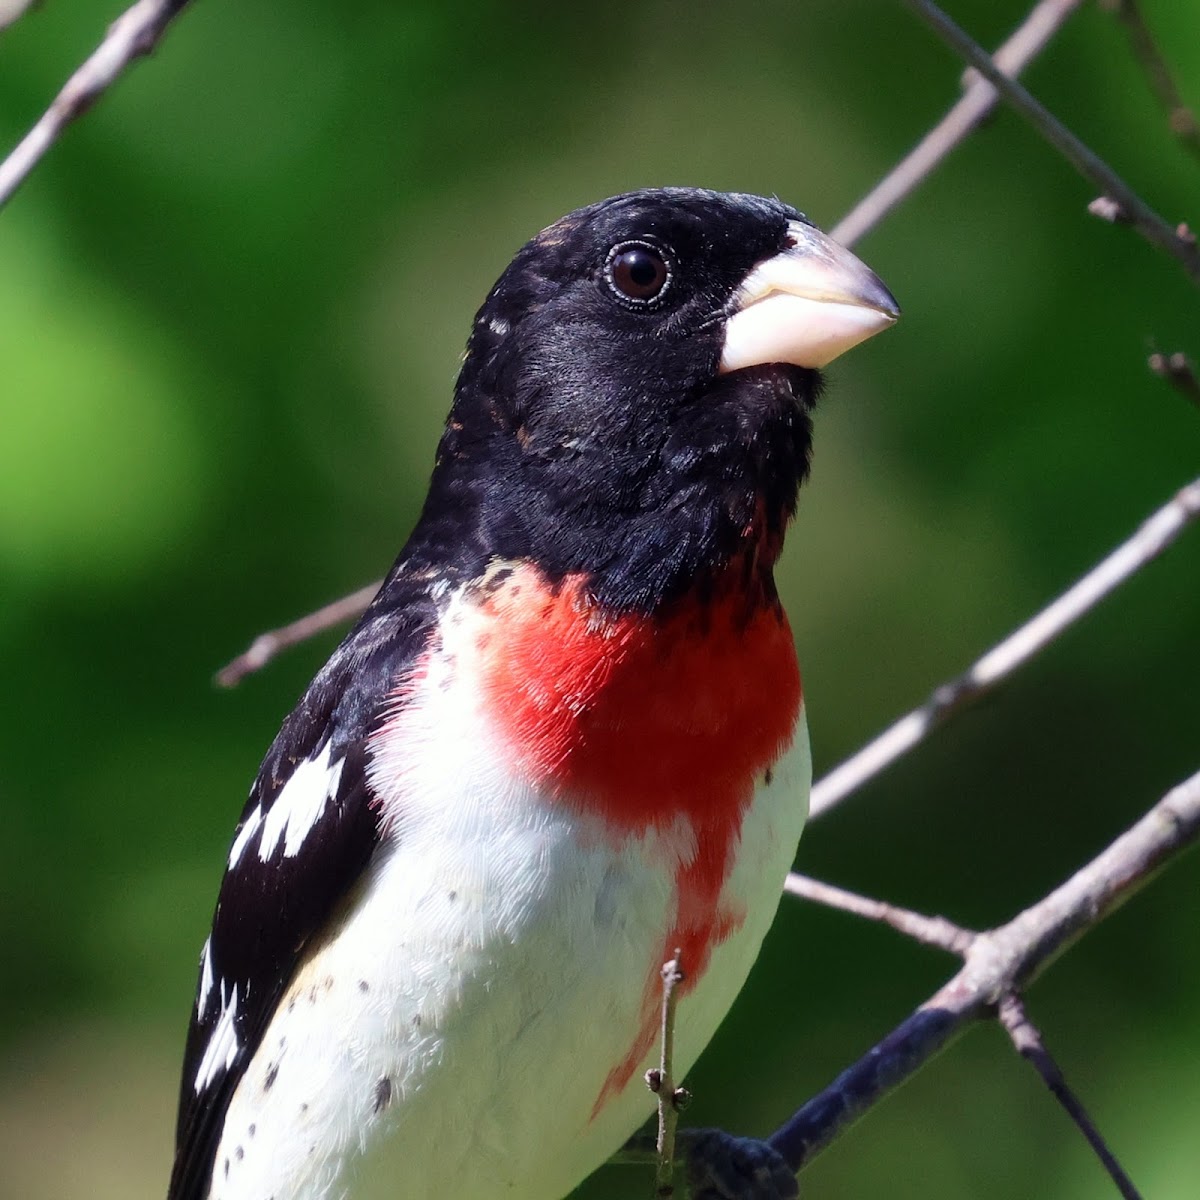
{"type": "Point", "coordinates": [206, 979]}
{"type": "Point", "coordinates": [222, 1045]}
{"type": "Point", "coordinates": [299, 805]}
{"type": "Point", "coordinates": [247, 831]}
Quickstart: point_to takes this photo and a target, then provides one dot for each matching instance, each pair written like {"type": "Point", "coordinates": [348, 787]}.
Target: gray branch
{"type": "Point", "coordinates": [976, 105]}
{"type": "Point", "coordinates": [999, 963]}
{"type": "Point", "coordinates": [1175, 240]}
{"type": "Point", "coordinates": [134, 34]}
{"type": "Point", "coordinates": [1181, 120]}
{"type": "Point", "coordinates": [1151, 539]}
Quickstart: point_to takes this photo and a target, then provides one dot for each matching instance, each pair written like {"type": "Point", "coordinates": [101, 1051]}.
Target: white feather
{"type": "Point", "coordinates": [206, 979]}
{"type": "Point", "coordinates": [299, 804]}
{"type": "Point", "coordinates": [247, 831]}
{"type": "Point", "coordinates": [222, 1045]}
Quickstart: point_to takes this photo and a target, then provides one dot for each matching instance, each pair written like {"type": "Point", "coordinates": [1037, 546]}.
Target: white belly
{"type": "Point", "coordinates": [488, 979]}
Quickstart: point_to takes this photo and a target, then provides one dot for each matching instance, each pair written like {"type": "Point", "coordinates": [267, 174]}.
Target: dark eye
{"type": "Point", "coordinates": [638, 271]}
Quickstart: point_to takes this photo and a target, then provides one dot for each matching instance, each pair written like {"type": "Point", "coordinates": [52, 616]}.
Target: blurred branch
{"type": "Point", "coordinates": [1155, 534]}
{"type": "Point", "coordinates": [1028, 1042]}
{"type": "Point", "coordinates": [135, 33]}
{"type": "Point", "coordinates": [1180, 119]}
{"type": "Point", "coordinates": [267, 645]}
{"type": "Point", "coordinates": [997, 965]}
{"type": "Point", "coordinates": [976, 105]}
{"type": "Point", "coordinates": [11, 11]}
{"type": "Point", "coordinates": [1135, 211]}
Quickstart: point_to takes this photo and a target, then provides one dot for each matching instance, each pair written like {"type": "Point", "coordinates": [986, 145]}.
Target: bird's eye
{"type": "Point", "coordinates": [638, 271]}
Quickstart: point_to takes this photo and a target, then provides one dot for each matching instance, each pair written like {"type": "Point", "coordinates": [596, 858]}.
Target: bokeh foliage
{"type": "Point", "coordinates": [231, 305]}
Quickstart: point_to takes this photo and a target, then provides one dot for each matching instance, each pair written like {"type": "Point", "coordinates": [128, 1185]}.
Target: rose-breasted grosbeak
{"type": "Point", "coordinates": [566, 739]}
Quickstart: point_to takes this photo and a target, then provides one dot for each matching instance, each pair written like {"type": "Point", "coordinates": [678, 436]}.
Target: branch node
{"type": "Point", "coordinates": [1179, 371]}
{"type": "Point", "coordinates": [972, 109]}
{"type": "Point", "coordinates": [1000, 961]}
{"type": "Point", "coordinates": [952, 695]}
{"type": "Point", "coordinates": [1182, 122]}
{"type": "Point", "coordinates": [1086, 162]}
{"type": "Point", "coordinates": [1107, 209]}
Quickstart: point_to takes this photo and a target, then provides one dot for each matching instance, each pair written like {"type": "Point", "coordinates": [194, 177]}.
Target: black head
{"type": "Point", "coordinates": [634, 399]}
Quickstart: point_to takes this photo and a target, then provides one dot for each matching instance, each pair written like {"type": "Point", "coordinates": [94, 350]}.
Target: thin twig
{"type": "Point", "coordinates": [999, 963]}
{"type": "Point", "coordinates": [977, 103]}
{"type": "Point", "coordinates": [661, 1081]}
{"type": "Point", "coordinates": [1179, 371]}
{"type": "Point", "coordinates": [1181, 120]}
{"type": "Point", "coordinates": [1027, 1040]}
{"type": "Point", "coordinates": [135, 33]}
{"type": "Point", "coordinates": [1137, 212]}
{"type": "Point", "coordinates": [929, 931]}
{"type": "Point", "coordinates": [267, 645]}
{"type": "Point", "coordinates": [1150, 540]}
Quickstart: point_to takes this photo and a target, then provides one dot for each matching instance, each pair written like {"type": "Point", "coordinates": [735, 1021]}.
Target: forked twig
{"type": "Point", "coordinates": [976, 104]}
{"type": "Point", "coordinates": [997, 964]}
{"type": "Point", "coordinates": [1010, 1011]}
{"type": "Point", "coordinates": [1135, 210]}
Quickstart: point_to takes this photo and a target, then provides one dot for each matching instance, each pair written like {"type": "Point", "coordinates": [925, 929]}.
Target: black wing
{"type": "Point", "coordinates": [286, 877]}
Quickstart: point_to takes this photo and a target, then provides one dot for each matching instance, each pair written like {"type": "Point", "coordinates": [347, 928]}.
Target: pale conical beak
{"type": "Point", "coordinates": [805, 306]}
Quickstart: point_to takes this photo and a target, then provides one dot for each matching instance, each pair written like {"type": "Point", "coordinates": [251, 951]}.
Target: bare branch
{"type": "Point", "coordinates": [1138, 213]}
{"type": "Point", "coordinates": [135, 33]}
{"type": "Point", "coordinates": [1179, 371]}
{"type": "Point", "coordinates": [1150, 540]}
{"type": "Point", "coordinates": [976, 104]}
{"type": "Point", "coordinates": [929, 931]}
{"type": "Point", "coordinates": [267, 645]}
{"type": "Point", "coordinates": [1180, 119]}
{"type": "Point", "coordinates": [661, 1081]}
{"type": "Point", "coordinates": [998, 964]}
{"type": "Point", "coordinates": [1027, 1040]}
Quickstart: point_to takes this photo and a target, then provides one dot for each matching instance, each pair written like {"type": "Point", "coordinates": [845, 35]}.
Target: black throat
{"type": "Point", "coordinates": [646, 501]}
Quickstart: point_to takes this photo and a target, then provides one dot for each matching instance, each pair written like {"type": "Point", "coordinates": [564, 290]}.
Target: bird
{"type": "Point", "coordinates": [564, 744]}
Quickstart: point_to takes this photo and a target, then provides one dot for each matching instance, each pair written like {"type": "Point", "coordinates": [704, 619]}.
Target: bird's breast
{"type": "Point", "coordinates": [662, 721]}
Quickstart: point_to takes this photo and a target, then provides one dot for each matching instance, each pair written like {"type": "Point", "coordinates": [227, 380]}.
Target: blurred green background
{"type": "Point", "coordinates": [231, 305]}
